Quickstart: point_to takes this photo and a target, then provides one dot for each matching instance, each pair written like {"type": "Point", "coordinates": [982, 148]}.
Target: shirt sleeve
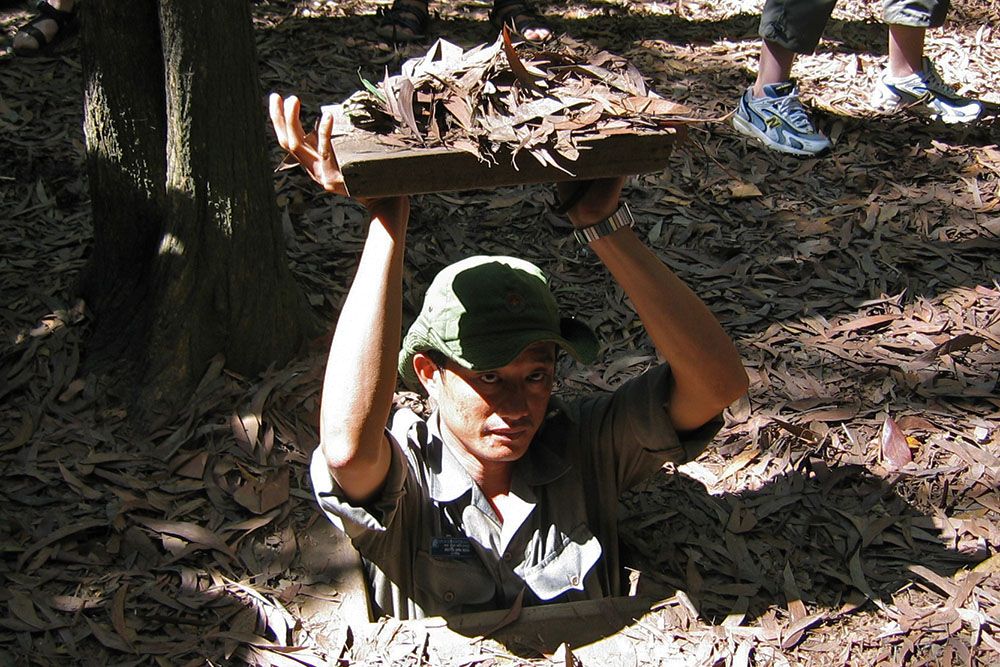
{"type": "Point", "coordinates": [376, 515]}
{"type": "Point", "coordinates": [631, 430]}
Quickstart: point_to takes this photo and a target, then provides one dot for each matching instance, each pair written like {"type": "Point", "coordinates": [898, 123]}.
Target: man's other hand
{"type": "Point", "coordinates": [595, 199]}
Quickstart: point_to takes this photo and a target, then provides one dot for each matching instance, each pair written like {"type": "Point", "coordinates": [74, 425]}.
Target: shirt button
{"type": "Point", "coordinates": [574, 580]}
{"type": "Point", "coordinates": [507, 557]}
{"type": "Point", "coordinates": [449, 596]}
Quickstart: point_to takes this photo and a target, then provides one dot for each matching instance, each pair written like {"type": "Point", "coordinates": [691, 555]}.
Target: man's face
{"type": "Point", "coordinates": [495, 414]}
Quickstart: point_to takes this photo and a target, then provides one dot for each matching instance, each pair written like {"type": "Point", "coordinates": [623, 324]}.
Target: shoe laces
{"type": "Point", "coordinates": [791, 109]}
{"type": "Point", "coordinates": [933, 82]}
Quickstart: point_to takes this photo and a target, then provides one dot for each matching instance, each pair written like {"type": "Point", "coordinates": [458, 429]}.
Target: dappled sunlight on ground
{"type": "Point", "coordinates": [848, 512]}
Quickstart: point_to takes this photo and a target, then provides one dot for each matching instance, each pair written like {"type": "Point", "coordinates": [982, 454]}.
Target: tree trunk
{"type": "Point", "coordinates": [125, 127]}
{"type": "Point", "coordinates": [190, 259]}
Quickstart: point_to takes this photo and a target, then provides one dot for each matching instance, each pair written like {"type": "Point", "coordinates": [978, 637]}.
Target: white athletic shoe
{"type": "Point", "coordinates": [779, 121]}
{"type": "Point", "coordinates": [925, 89]}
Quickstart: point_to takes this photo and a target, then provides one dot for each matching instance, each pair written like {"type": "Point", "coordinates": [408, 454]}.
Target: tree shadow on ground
{"type": "Point", "coordinates": [832, 538]}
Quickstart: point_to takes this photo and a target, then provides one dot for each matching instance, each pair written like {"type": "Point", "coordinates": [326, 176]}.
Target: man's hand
{"type": "Point", "coordinates": [317, 157]}
{"type": "Point", "coordinates": [595, 199]}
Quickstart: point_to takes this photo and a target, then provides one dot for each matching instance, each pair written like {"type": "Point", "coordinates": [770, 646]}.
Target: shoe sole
{"type": "Point", "coordinates": [892, 103]}
{"type": "Point", "coordinates": [747, 128]}
{"type": "Point", "coordinates": [924, 111]}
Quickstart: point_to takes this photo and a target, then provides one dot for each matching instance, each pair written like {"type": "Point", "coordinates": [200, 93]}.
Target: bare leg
{"type": "Point", "coordinates": [48, 27]}
{"type": "Point", "coordinates": [906, 50]}
{"type": "Point", "coordinates": [775, 66]}
{"type": "Point", "coordinates": [912, 80]}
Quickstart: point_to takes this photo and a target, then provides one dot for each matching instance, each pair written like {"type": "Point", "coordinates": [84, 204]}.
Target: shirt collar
{"type": "Point", "coordinates": [448, 480]}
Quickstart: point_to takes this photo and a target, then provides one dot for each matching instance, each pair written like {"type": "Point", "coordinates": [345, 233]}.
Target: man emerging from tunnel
{"type": "Point", "coordinates": [505, 491]}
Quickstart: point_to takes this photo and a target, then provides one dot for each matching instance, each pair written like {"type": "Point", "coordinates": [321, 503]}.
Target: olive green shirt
{"type": "Point", "coordinates": [434, 546]}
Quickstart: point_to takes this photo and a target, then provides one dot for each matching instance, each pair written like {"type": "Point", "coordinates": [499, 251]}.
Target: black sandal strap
{"type": "Point", "coordinates": [66, 26]}
{"type": "Point", "coordinates": [34, 33]}
{"type": "Point", "coordinates": [47, 11]}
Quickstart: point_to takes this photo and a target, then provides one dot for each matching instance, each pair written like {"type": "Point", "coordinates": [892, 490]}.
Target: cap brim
{"type": "Point", "coordinates": [575, 337]}
{"type": "Point", "coordinates": [583, 342]}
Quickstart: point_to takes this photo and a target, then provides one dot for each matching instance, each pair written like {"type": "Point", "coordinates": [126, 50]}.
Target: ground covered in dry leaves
{"type": "Point", "coordinates": [861, 289]}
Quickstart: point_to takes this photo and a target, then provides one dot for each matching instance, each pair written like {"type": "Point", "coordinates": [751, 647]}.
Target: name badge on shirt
{"type": "Point", "coordinates": [451, 547]}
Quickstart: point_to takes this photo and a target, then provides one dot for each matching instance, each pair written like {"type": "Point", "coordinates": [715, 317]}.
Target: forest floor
{"type": "Point", "coordinates": [861, 289]}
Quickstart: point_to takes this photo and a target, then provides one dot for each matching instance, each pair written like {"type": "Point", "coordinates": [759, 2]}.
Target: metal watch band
{"type": "Point", "coordinates": [620, 218]}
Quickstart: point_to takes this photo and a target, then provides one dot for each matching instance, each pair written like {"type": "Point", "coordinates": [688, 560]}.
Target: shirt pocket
{"type": "Point", "coordinates": [566, 560]}
{"type": "Point", "coordinates": [451, 585]}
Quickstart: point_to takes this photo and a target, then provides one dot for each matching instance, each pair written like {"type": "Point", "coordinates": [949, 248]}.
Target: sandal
{"type": "Point", "coordinates": [66, 27]}
{"type": "Point", "coordinates": [405, 21]}
{"type": "Point", "coordinates": [520, 17]}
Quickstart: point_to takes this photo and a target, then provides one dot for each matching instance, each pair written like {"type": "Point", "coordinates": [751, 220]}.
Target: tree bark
{"type": "Point", "coordinates": [190, 239]}
{"type": "Point", "coordinates": [125, 129]}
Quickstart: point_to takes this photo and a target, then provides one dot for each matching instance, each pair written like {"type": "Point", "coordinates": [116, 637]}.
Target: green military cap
{"type": "Point", "coordinates": [481, 312]}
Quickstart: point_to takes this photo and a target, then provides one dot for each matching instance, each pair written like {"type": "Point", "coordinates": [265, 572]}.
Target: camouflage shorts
{"type": "Point", "coordinates": [798, 25]}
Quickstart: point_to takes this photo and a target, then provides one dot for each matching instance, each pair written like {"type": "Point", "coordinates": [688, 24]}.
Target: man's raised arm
{"type": "Point", "coordinates": [361, 368]}
{"type": "Point", "coordinates": [707, 371]}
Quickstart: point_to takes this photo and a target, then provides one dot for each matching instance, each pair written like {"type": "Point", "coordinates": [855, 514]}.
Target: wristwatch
{"type": "Point", "coordinates": [620, 218]}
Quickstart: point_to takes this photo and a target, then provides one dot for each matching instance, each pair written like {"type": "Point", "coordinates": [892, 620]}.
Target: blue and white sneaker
{"type": "Point", "coordinates": [924, 89]}
{"type": "Point", "coordinates": [779, 121]}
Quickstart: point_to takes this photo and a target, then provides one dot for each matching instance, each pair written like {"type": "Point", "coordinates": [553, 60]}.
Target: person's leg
{"type": "Point", "coordinates": [775, 65]}
{"type": "Point", "coordinates": [788, 28]}
{"type": "Point", "coordinates": [911, 80]}
{"type": "Point", "coordinates": [770, 110]}
{"type": "Point", "coordinates": [44, 29]}
{"type": "Point", "coordinates": [906, 49]}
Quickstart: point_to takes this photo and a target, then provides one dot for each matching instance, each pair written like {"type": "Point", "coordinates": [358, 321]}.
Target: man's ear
{"type": "Point", "coordinates": [427, 372]}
